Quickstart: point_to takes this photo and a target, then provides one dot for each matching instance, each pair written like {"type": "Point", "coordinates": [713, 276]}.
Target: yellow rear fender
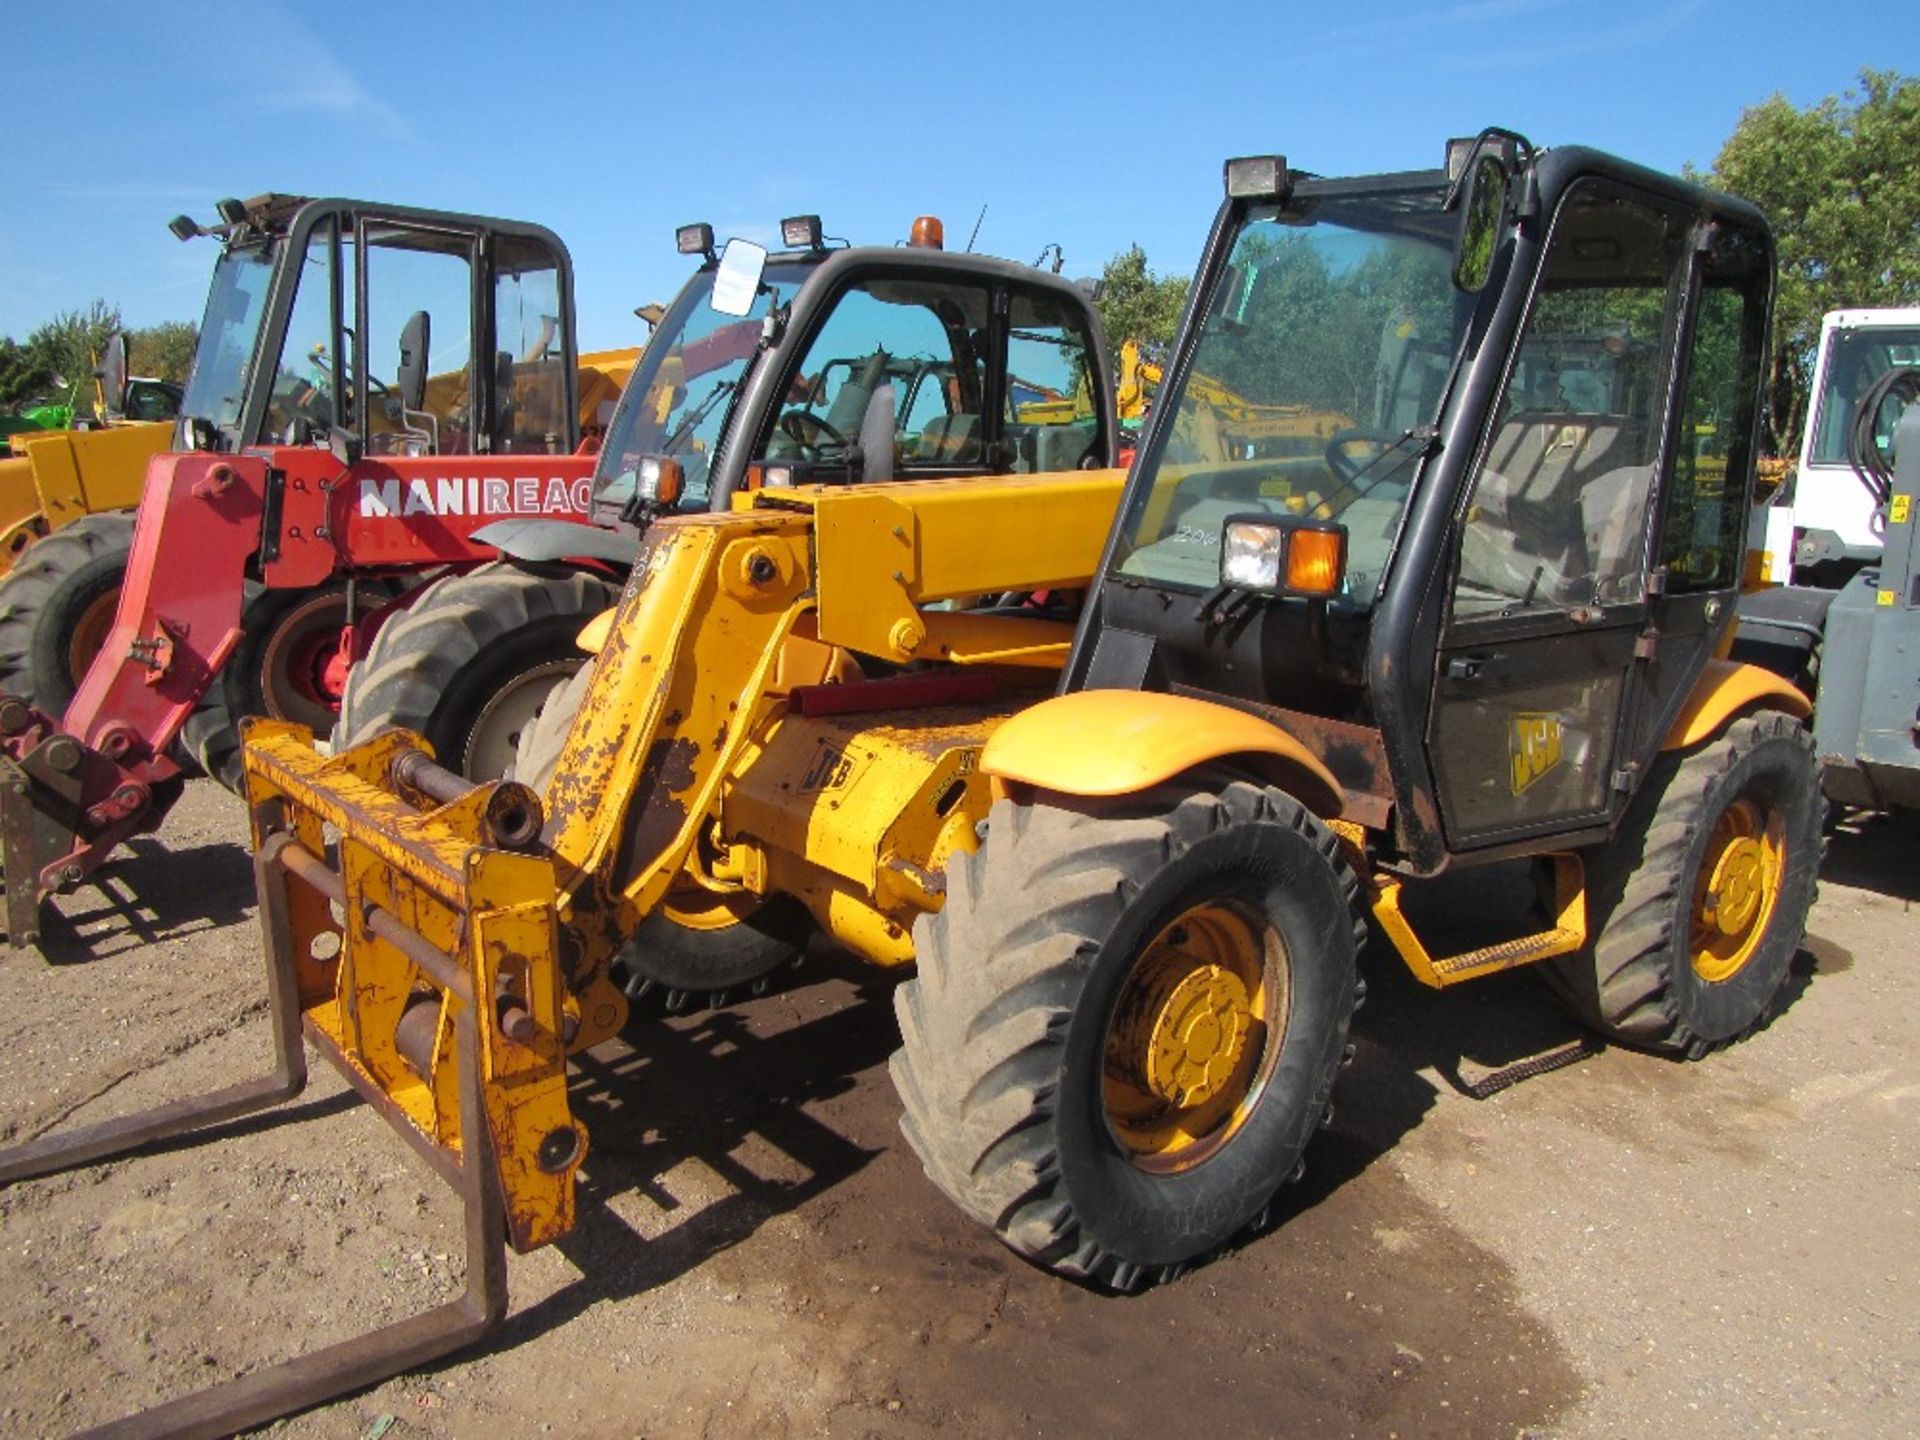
{"type": "Point", "coordinates": [1724, 690]}
{"type": "Point", "coordinates": [1120, 742]}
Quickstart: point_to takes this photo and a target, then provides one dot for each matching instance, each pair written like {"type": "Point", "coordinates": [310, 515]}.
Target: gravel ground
{"type": "Point", "coordinates": [1624, 1246]}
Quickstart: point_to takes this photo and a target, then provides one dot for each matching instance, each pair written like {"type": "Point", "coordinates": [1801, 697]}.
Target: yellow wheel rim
{"type": "Point", "coordinates": [693, 907]}
{"type": "Point", "coordinates": [1739, 886]}
{"type": "Point", "coordinates": [1194, 1037]}
{"type": "Point", "coordinates": [89, 634]}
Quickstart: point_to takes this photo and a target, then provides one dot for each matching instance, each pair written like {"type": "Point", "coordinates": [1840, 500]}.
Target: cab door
{"type": "Point", "coordinates": [1548, 614]}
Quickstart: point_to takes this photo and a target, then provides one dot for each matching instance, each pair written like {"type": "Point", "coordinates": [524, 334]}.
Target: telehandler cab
{"type": "Point", "coordinates": [1477, 624]}
{"type": "Point", "coordinates": [315, 486]}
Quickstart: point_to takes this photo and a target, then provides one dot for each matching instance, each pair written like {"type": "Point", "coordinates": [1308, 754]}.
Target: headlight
{"type": "Point", "coordinates": [1273, 555]}
{"type": "Point", "coordinates": [659, 481]}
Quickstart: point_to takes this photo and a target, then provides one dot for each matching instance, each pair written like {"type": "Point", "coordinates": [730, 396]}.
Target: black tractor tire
{"type": "Point", "coordinates": [1649, 976]}
{"type": "Point", "coordinates": [61, 590]}
{"type": "Point", "coordinates": [733, 947]}
{"type": "Point", "coordinates": [465, 662]}
{"type": "Point", "coordinates": [1035, 971]}
{"type": "Point", "coordinates": [282, 632]}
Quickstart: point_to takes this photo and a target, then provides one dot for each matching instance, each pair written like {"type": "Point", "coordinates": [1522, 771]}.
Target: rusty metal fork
{"type": "Point", "coordinates": [350, 1365]}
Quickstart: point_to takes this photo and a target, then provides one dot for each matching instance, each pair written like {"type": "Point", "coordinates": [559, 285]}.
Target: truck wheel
{"type": "Point", "coordinates": [56, 606]}
{"type": "Point", "coordinates": [1127, 1022]}
{"type": "Point", "coordinates": [469, 662]}
{"type": "Point", "coordinates": [1698, 905]}
{"type": "Point", "coordinates": [287, 665]}
{"type": "Point", "coordinates": [699, 947]}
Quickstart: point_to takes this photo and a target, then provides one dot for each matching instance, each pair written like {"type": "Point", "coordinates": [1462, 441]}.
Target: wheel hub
{"type": "Point", "coordinates": [1193, 1034]}
{"type": "Point", "coordinates": [1740, 879]}
{"type": "Point", "coordinates": [1196, 1033]}
{"type": "Point", "coordinates": [1735, 890]}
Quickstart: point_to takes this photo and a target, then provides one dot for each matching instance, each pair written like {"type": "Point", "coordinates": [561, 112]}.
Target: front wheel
{"type": "Point", "coordinates": [1127, 1021]}
{"type": "Point", "coordinates": [1700, 901]}
{"type": "Point", "coordinates": [468, 664]}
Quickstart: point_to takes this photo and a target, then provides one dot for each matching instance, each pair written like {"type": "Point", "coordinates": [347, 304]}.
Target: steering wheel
{"type": "Point", "coordinates": [806, 428]}
{"type": "Point", "coordinates": [1343, 466]}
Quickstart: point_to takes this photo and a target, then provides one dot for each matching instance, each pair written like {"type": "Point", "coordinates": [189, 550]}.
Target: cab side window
{"type": "Point", "coordinates": [897, 369]}
{"type": "Point", "coordinates": [1557, 515]}
{"type": "Point", "coordinates": [529, 391]}
{"type": "Point", "coordinates": [411, 274]}
{"type": "Point", "coordinates": [1703, 531]}
{"type": "Point", "coordinates": [1050, 415]}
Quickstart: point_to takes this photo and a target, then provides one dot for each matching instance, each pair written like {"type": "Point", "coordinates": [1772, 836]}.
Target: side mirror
{"type": "Point", "coordinates": [415, 336]}
{"type": "Point", "coordinates": [111, 373]}
{"type": "Point", "coordinates": [738, 279]}
{"type": "Point", "coordinates": [1481, 209]}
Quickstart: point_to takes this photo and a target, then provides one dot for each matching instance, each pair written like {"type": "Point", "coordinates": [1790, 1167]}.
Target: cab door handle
{"type": "Point", "coordinates": [1468, 667]}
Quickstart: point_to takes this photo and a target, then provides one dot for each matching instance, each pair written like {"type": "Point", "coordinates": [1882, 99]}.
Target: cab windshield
{"type": "Point", "coordinates": [1856, 359]}
{"type": "Point", "coordinates": [1327, 345]}
{"type": "Point", "coordinates": [681, 394]}
{"type": "Point", "coordinates": [236, 302]}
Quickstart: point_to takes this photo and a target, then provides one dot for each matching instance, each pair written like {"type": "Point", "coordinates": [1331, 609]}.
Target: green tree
{"type": "Point", "coordinates": [1839, 182]}
{"type": "Point", "coordinates": [67, 344]}
{"type": "Point", "coordinates": [1136, 304]}
{"type": "Point", "coordinates": [164, 351]}
{"type": "Point", "coordinates": [23, 374]}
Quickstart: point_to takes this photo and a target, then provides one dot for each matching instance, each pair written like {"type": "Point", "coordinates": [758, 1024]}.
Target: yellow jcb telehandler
{"type": "Point", "coordinates": [1129, 857]}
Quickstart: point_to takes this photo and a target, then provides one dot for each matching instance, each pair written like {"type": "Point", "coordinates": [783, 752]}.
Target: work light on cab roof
{"type": "Point", "coordinates": [695, 240]}
{"type": "Point", "coordinates": [801, 232]}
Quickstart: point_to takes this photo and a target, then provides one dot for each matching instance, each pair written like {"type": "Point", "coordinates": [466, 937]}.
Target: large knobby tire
{"type": "Point", "coordinates": [468, 663]}
{"type": "Point", "coordinates": [56, 607]}
{"type": "Point", "coordinates": [1127, 1022]}
{"type": "Point", "coordinates": [1697, 907]}
{"type": "Point", "coordinates": [287, 666]}
{"type": "Point", "coordinates": [699, 947]}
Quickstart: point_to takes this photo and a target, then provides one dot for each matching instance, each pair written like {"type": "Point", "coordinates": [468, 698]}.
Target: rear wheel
{"type": "Point", "coordinates": [1127, 1021]}
{"type": "Point", "coordinates": [700, 946]}
{"type": "Point", "coordinates": [469, 663]}
{"type": "Point", "coordinates": [57, 604]}
{"type": "Point", "coordinates": [1700, 902]}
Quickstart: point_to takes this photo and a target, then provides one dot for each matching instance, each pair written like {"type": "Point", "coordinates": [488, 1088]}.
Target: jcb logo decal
{"type": "Point", "coordinates": [829, 771]}
{"type": "Point", "coordinates": [1533, 742]}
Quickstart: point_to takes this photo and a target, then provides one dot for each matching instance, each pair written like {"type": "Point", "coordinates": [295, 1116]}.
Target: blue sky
{"type": "Point", "coordinates": [1094, 126]}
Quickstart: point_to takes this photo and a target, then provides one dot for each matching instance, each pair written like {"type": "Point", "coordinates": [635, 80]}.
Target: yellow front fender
{"type": "Point", "coordinates": [1725, 689]}
{"type": "Point", "coordinates": [1119, 742]}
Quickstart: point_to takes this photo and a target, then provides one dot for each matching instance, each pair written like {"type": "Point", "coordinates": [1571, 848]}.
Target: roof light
{"type": "Point", "coordinates": [928, 233]}
{"type": "Point", "coordinates": [233, 212]}
{"type": "Point", "coordinates": [1258, 177]}
{"type": "Point", "coordinates": [800, 232]}
{"type": "Point", "coordinates": [184, 227]}
{"type": "Point", "coordinates": [694, 240]}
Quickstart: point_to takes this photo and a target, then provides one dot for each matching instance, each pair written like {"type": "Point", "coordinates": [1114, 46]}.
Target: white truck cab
{"type": "Point", "coordinates": [1857, 347]}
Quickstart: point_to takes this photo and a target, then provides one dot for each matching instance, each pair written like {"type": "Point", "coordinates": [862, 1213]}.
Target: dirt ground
{"type": "Point", "coordinates": [1625, 1246]}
